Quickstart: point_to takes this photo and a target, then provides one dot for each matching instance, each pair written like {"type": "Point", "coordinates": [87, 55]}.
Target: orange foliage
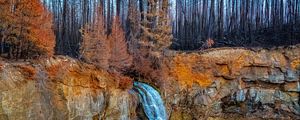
{"type": "Point", "coordinates": [186, 76]}
{"type": "Point", "coordinates": [120, 58]}
{"type": "Point", "coordinates": [109, 52]}
{"type": "Point", "coordinates": [95, 47]}
{"type": "Point", "coordinates": [210, 42]}
{"type": "Point", "coordinates": [157, 33]}
{"type": "Point", "coordinates": [27, 28]}
{"type": "Point", "coordinates": [53, 70]}
{"type": "Point", "coordinates": [44, 37]}
{"type": "Point", "coordinates": [295, 64]}
{"type": "Point", "coordinates": [28, 71]}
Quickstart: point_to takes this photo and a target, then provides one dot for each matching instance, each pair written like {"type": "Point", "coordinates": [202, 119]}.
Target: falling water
{"type": "Point", "coordinates": [152, 103]}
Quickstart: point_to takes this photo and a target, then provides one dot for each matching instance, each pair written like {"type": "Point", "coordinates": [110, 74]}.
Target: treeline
{"type": "Point", "coordinates": [110, 33]}
{"type": "Point", "coordinates": [134, 15]}
{"type": "Point", "coordinates": [72, 15]}
{"type": "Point", "coordinates": [235, 22]}
{"type": "Point", "coordinates": [106, 50]}
{"type": "Point", "coordinates": [194, 22]}
{"type": "Point", "coordinates": [30, 28]}
{"type": "Point", "coordinates": [25, 29]}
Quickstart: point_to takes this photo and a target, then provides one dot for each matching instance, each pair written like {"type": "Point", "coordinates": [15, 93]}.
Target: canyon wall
{"type": "Point", "coordinates": [229, 83]}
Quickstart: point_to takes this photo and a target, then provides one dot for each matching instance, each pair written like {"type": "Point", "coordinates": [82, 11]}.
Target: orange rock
{"type": "Point", "coordinates": [292, 87]}
{"type": "Point", "coordinates": [295, 64]}
{"type": "Point", "coordinates": [186, 76]}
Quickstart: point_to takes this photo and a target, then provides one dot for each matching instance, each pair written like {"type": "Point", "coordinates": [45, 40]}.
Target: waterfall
{"type": "Point", "coordinates": [151, 101]}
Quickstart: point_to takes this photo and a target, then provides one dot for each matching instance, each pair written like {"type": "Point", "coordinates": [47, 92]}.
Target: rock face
{"type": "Point", "coordinates": [228, 83]}
{"type": "Point", "coordinates": [225, 83]}
{"type": "Point", "coordinates": [62, 88]}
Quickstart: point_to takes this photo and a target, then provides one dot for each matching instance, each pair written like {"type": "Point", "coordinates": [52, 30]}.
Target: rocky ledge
{"type": "Point", "coordinates": [62, 88]}
{"type": "Point", "coordinates": [229, 83]}
{"type": "Point", "coordinates": [224, 83]}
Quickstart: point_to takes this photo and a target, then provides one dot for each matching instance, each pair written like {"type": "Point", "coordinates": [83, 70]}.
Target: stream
{"type": "Point", "coordinates": [151, 101]}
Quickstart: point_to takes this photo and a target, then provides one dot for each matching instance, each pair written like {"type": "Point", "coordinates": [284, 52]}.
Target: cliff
{"type": "Point", "coordinates": [62, 88]}
{"type": "Point", "coordinates": [224, 83]}
{"type": "Point", "coordinates": [228, 83]}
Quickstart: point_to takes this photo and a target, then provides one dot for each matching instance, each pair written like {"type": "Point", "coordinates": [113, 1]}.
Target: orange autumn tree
{"type": "Point", "coordinates": [25, 29]}
{"type": "Point", "coordinates": [108, 52]}
{"type": "Point", "coordinates": [120, 58]}
{"type": "Point", "coordinates": [95, 47]}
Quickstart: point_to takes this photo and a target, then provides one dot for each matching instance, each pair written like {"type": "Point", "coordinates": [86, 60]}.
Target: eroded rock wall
{"type": "Point", "coordinates": [62, 88]}
{"type": "Point", "coordinates": [225, 83]}
{"type": "Point", "coordinates": [229, 83]}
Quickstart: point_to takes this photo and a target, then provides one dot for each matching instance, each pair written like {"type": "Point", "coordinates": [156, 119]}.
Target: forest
{"type": "Point", "coordinates": [84, 28]}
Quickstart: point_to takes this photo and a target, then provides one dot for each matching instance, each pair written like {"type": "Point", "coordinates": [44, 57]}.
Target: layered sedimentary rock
{"type": "Point", "coordinates": [228, 83]}
{"type": "Point", "coordinates": [224, 83]}
{"type": "Point", "coordinates": [62, 88]}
